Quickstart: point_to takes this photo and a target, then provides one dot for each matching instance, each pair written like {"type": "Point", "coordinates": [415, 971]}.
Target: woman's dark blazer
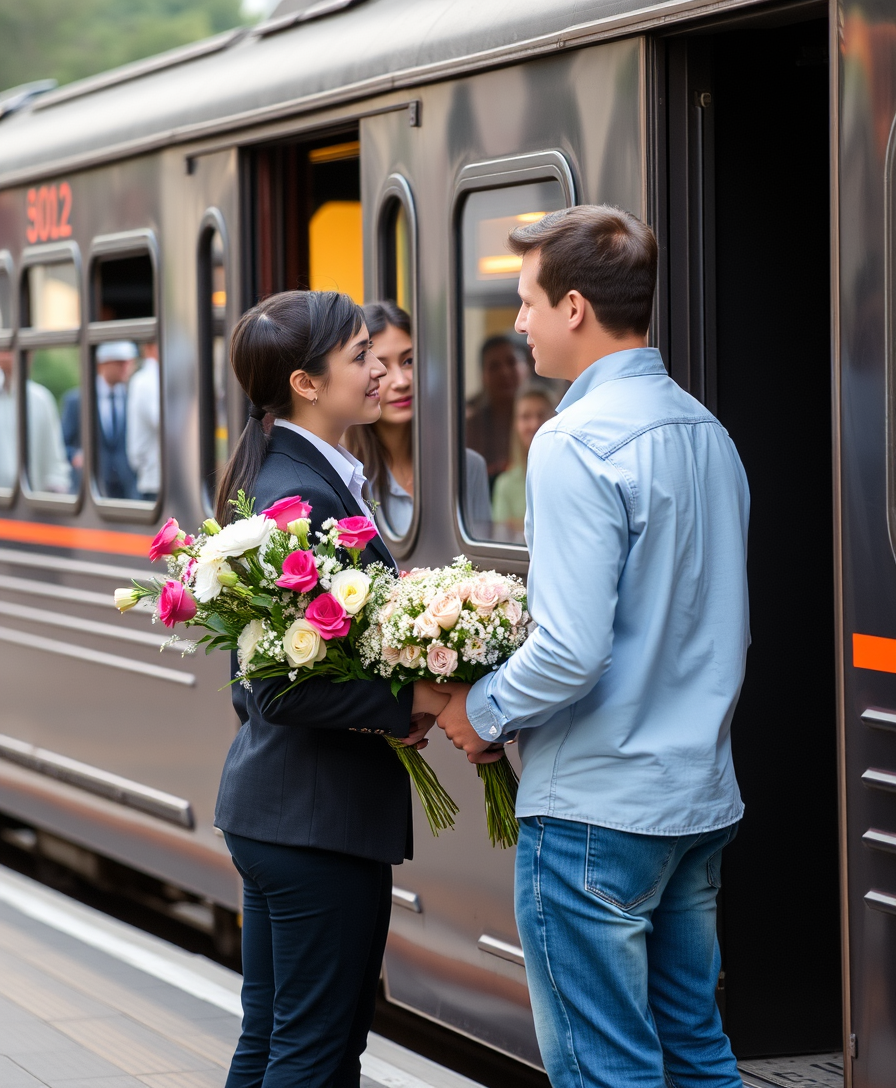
{"type": "Point", "coordinates": [296, 774]}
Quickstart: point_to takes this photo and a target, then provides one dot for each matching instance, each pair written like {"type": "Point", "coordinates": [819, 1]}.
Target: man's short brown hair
{"type": "Point", "coordinates": [606, 254]}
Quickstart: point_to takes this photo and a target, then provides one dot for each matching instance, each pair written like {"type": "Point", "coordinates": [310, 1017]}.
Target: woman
{"type": "Point", "coordinates": [314, 806]}
{"type": "Point", "coordinates": [533, 407]}
{"type": "Point", "coordinates": [386, 447]}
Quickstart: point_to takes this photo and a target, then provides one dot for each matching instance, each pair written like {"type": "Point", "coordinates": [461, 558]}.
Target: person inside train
{"type": "Point", "coordinates": [624, 694]}
{"type": "Point", "coordinates": [534, 406]}
{"type": "Point", "coordinates": [143, 437]}
{"type": "Point", "coordinates": [386, 447]}
{"type": "Point", "coordinates": [313, 803]}
{"type": "Point", "coordinates": [114, 365]}
{"type": "Point", "coordinates": [490, 412]}
{"type": "Point", "coordinates": [48, 468]}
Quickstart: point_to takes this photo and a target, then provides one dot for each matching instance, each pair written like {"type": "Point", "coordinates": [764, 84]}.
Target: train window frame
{"type": "Point", "coordinates": [29, 339]}
{"type": "Point", "coordinates": [140, 330]}
{"type": "Point", "coordinates": [890, 330]}
{"type": "Point", "coordinates": [7, 343]}
{"type": "Point", "coordinates": [492, 174]}
{"type": "Point", "coordinates": [395, 192]}
{"type": "Point", "coordinates": [213, 222]}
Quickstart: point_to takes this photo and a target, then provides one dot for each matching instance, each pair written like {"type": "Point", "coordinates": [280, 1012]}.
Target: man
{"type": "Point", "coordinates": [47, 468]}
{"type": "Point", "coordinates": [114, 475]}
{"type": "Point", "coordinates": [623, 696]}
{"type": "Point", "coordinates": [143, 441]}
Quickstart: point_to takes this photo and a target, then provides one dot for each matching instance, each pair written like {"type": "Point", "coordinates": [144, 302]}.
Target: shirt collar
{"type": "Point", "coordinates": [346, 464]}
{"type": "Point", "coordinates": [631, 363]}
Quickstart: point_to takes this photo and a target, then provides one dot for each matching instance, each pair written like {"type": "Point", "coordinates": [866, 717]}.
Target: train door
{"type": "Point", "coordinates": [745, 324]}
{"type": "Point", "coordinates": [865, 207]}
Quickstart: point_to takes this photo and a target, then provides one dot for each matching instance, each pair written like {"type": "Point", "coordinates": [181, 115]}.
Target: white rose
{"type": "Point", "coordinates": [125, 599]}
{"type": "Point", "coordinates": [445, 608]}
{"type": "Point", "coordinates": [410, 657]}
{"type": "Point", "coordinates": [205, 581]}
{"type": "Point", "coordinates": [247, 642]}
{"type": "Point", "coordinates": [426, 627]}
{"type": "Point", "coordinates": [352, 589]}
{"type": "Point", "coordinates": [303, 645]}
{"type": "Point", "coordinates": [239, 537]}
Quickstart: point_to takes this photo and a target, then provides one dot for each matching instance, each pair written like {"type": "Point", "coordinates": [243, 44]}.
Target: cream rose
{"type": "Point", "coordinates": [445, 608]}
{"type": "Point", "coordinates": [352, 589]}
{"type": "Point", "coordinates": [425, 626]}
{"type": "Point", "coordinates": [391, 655]}
{"type": "Point", "coordinates": [248, 641]}
{"type": "Point", "coordinates": [303, 644]}
{"type": "Point", "coordinates": [411, 657]}
{"type": "Point", "coordinates": [441, 660]}
{"type": "Point", "coordinates": [463, 590]}
{"type": "Point", "coordinates": [125, 599]}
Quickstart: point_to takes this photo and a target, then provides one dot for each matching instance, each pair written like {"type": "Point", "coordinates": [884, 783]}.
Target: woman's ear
{"type": "Point", "coordinates": [303, 386]}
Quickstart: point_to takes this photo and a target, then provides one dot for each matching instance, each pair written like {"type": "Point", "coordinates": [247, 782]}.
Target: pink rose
{"type": "Point", "coordinates": [168, 540]}
{"type": "Point", "coordinates": [485, 595]}
{"type": "Point", "coordinates": [328, 616]}
{"type": "Point", "coordinates": [463, 590]}
{"type": "Point", "coordinates": [391, 654]}
{"type": "Point", "coordinates": [410, 657]}
{"type": "Point", "coordinates": [441, 660]}
{"type": "Point", "coordinates": [513, 610]}
{"type": "Point", "coordinates": [299, 572]}
{"type": "Point", "coordinates": [287, 510]}
{"type": "Point", "coordinates": [356, 532]}
{"type": "Point", "coordinates": [176, 604]}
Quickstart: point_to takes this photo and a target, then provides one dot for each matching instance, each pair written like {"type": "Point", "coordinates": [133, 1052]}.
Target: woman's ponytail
{"type": "Point", "coordinates": [295, 330]}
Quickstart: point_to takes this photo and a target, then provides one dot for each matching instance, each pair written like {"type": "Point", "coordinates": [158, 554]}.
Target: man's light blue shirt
{"type": "Point", "coordinates": [637, 512]}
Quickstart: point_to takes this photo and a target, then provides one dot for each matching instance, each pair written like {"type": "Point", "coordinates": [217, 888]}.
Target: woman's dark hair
{"type": "Point", "coordinates": [295, 330]}
{"type": "Point", "coordinates": [362, 440]}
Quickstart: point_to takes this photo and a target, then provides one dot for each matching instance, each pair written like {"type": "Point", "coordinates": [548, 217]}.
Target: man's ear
{"type": "Point", "coordinates": [576, 304]}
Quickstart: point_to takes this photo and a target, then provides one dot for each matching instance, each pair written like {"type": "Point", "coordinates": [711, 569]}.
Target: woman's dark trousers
{"type": "Point", "coordinates": [314, 931]}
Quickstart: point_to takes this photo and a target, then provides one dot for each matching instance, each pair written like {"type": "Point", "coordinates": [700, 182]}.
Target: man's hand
{"type": "Point", "coordinates": [453, 719]}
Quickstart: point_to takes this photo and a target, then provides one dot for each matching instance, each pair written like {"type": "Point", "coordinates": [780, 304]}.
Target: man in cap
{"type": "Point", "coordinates": [114, 476]}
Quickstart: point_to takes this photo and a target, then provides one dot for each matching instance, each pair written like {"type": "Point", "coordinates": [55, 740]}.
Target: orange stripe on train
{"type": "Point", "coordinates": [871, 652]}
{"type": "Point", "coordinates": [70, 536]}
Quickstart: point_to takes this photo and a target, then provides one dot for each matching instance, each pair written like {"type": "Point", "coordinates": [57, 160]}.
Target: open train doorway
{"type": "Point", "coordinates": [745, 323]}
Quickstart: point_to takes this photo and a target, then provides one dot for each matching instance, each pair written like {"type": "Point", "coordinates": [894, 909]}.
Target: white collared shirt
{"type": "Point", "coordinates": [349, 468]}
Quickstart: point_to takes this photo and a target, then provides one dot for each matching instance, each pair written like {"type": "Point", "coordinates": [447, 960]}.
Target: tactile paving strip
{"type": "Point", "coordinates": [805, 1071]}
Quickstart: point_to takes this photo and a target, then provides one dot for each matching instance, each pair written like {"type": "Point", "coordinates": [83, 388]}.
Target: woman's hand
{"type": "Point", "coordinates": [428, 699]}
{"type": "Point", "coordinates": [420, 726]}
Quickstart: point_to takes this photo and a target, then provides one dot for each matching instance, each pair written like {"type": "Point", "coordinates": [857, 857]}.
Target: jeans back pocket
{"type": "Point", "coordinates": [623, 868]}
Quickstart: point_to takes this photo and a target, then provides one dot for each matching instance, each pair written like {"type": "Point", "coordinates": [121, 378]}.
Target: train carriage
{"type": "Point", "coordinates": [385, 147]}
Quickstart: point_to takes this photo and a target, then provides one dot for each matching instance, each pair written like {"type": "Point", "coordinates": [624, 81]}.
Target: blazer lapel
{"type": "Point", "coordinates": [283, 440]}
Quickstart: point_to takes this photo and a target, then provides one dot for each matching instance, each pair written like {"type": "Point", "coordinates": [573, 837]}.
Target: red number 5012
{"type": "Point", "coordinates": [49, 210]}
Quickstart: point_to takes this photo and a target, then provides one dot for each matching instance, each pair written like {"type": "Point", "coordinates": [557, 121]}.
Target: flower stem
{"type": "Point", "coordinates": [438, 805]}
{"type": "Point", "coordinates": [501, 782]}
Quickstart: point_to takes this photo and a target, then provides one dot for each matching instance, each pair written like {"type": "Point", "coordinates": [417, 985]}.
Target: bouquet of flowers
{"type": "Point", "coordinates": [289, 608]}
{"type": "Point", "coordinates": [453, 623]}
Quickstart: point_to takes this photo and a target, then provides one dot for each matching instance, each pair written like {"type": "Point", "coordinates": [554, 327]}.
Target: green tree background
{"type": "Point", "coordinates": [70, 39]}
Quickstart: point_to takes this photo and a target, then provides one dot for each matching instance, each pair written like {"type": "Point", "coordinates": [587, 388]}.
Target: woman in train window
{"type": "Point", "coordinates": [533, 407]}
{"type": "Point", "coordinates": [314, 806]}
{"type": "Point", "coordinates": [386, 446]}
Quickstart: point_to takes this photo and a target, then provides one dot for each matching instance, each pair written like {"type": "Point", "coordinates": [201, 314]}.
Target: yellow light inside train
{"type": "Point", "coordinates": [530, 217]}
{"type": "Point", "coordinates": [336, 249]}
{"type": "Point", "coordinates": [503, 265]}
{"type": "Point", "coordinates": [335, 152]}
{"type": "Point", "coordinates": [219, 299]}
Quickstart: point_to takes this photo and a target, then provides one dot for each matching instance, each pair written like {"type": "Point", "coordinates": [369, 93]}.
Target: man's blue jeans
{"type": "Point", "coordinates": [619, 934]}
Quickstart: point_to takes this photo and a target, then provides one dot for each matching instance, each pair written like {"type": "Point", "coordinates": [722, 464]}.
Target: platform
{"type": "Point", "coordinates": [87, 1001]}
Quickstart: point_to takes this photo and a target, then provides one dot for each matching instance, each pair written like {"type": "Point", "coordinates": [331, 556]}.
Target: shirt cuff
{"type": "Point", "coordinates": [481, 710]}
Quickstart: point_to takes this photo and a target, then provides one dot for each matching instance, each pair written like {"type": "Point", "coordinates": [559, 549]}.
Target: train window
{"type": "Point", "coordinates": [397, 260]}
{"type": "Point", "coordinates": [52, 299]}
{"type": "Point", "coordinates": [123, 288]}
{"type": "Point", "coordinates": [213, 360]}
{"type": "Point", "coordinates": [9, 423]}
{"type": "Point", "coordinates": [53, 458]}
{"type": "Point", "coordinates": [127, 411]}
{"type": "Point", "coordinates": [504, 400]}
{"type": "Point", "coordinates": [5, 300]}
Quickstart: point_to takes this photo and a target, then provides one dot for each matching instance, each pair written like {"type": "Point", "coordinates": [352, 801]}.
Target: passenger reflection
{"type": "Point", "coordinates": [48, 468]}
{"type": "Point", "coordinates": [534, 407]}
{"type": "Point", "coordinates": [114, 365]}
{"type": "Point", "coordinates": [386, 447]}
{"type": "Point", "coordinates": [490, 413]}
{"type": "Point", "coordinates": [143, 412]}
